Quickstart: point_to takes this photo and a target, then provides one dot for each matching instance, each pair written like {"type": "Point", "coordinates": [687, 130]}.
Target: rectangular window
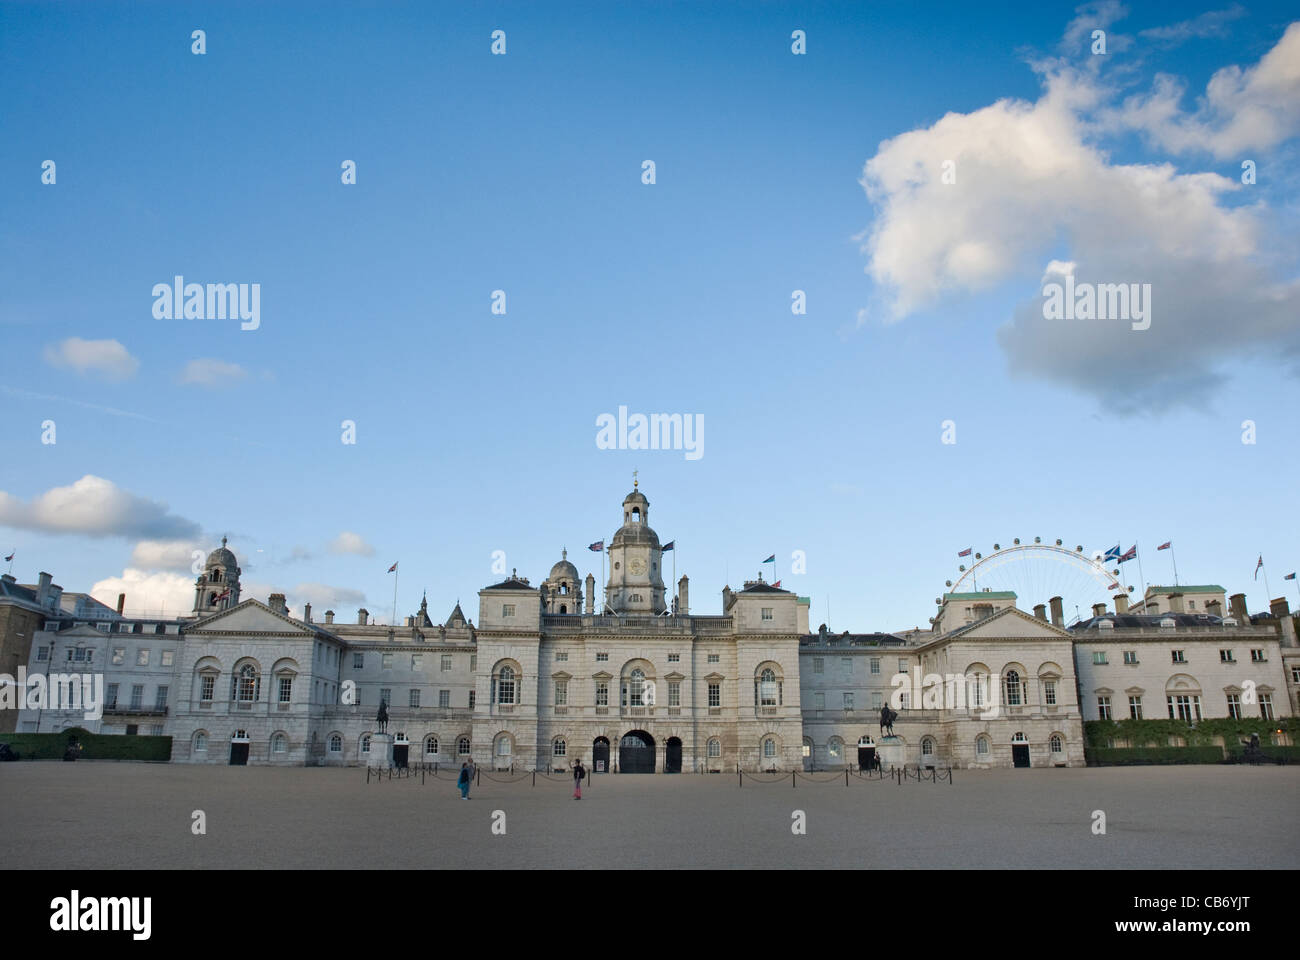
{"type": "Point", "coordinates": [1103, 708]}
{"type": "Point", "coordinates": [110, 696]}
{"type": "Point", "coordinates": [473, 662]}
{"type": "Point", "coordinates": [1257, 656]}
{"type": "Point", "coordinates": [819, 665]}
{"type": "Point", "coordinates": [713, 658]}
{"type": "Point", "coordinates": [767, 613]}
{"type": "Point", "coordinates": [1176, 656]}
{"type": "Point", "coordinates": [156, 730]}
{"type": "Point", "coordinates": [444, 698]}
{"type": "Point", "coordinates": [168, 657]}
{"type": "Point", "coordinates": [1049, 692]}
{"type": "Point", "coordinates": [507, 609]}
{"type": "Point", "coordinates": [417, 661]}
{"type": "Point", "coordinates": [602, 693]}
{"type": "Point", "coordinates": [715, 694]}
{"type": "Point", "coordinates": [1180, 708]}
{"type": "Point", "coordinates": [119, 655]}
{"type": "Point", "coordinates": [386, 661]}
{"type": "Point", "coordinates": [1225, 656]}
{"type": "Point", "coordinates": [160, 702]}
{"type": "Point", "coordinates": [1266, 706]}
{"type": "Point", "coordinates": [1295, 673]}
{"type": "Point", "coordinates": [413, 697]}
{"type": "Point", "coordinates": [386, 695]}
{"type": "Point", "coordinates": [137, 696]}
{"type": "Point", "coordinates": [1234, 706]}
{"type": "Point", "coordinates": [674, 693]}
{"type": "Point", "coordinates": [561, 693]}
{"type": "Point", "coordinates": [1130, 656]}
{"type": "Point", "coordinates": [132, 729]}
{"type": "Point", "coordinates": [142, 658]}
{"type": "Point", "coordinates": [286, 690]}
{"type": "Point", "coordinates": [358, 661]}
{"type": "Point", "coordinates": [902, 666]}
{"type": "Point", "coordinates": [1099, 657]}
{"type": "Point", "coordinates": [471, 699]}
{"type": "Point", "coordinates": [562, 656]}
{"type": "Point", "coordinates": [848, 701]}
{"type": "Point", "coordinates": [207, 685]}
{"type": "Point", "coordinates": [602, 657]}
{"type": "Point", "coordinates": [819, 701]}
{"type": "Point", "coordinates": [902, 705]}
{"type": "Point", "coordinates": [42, 654]}
{"type": "Point", "coordinates": [1135, 708]}
{"type": "Point", "coordinates": [877, 701]}
{"type": "Point", "coordinates": [444, 664]}
{"type": "Point", "coordinates": [875, 666]}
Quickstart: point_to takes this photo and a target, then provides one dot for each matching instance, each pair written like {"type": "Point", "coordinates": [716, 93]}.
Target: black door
{"type": "Point", "coordinates": [636, 753]}
{"type": "Point", "coordinates": [238, 754]}
{"type": "Point", "coordinates": [673, 756]}
{"type": "Point", "coordinates": [866, 758]}
{"type": "Point", "coordinates": [400, 753]}
{"type": "Point", "coordinates": [1020, 754]}
{"type": "Point", "coordinates": [600, 755]}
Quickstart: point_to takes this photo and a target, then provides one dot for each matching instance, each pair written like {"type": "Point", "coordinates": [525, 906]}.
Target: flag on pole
{"type": "Point", "coordinates": [11, 556]}
{"type": "Point", "coordinates": [1290, 576]}
{"type": "Point", "coordinates": [1258, 565]}
{"type": "Point", "coordinates": [596, 547]}
{"type": "Point", "coordinates": [777, 584]}
{"type": "Point", "coordinates": [1129, 554]}
{"type": "Point", "coordinates": [226, 595]}
{"type": "Point", "coordinates": [670, 545]}
{"type": "Point", "coordinates": [1166, 545]}
{"type": "Point", "coordinates": [771, 559]}
{"type": "Point", "coordinates": [393, 568]}
{"type": "Point", "coordinates": [966, 552]}
{"type": "Point", "coordinates": [1114, 553]}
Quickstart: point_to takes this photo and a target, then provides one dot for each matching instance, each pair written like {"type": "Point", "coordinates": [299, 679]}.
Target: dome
{"type": "Point", "coordinates": [221, 557]}
{"type": "Point", "coordinates": [564, 570]}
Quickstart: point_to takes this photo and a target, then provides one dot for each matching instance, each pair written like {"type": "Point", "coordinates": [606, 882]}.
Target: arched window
{"type": "Point", "coordinates": [559, 748]}
{"type": "Point", "coordinates": [564, 588]}
{"type": "Point", "coordinates": [835, 749]}
{"type": "Point", "coordinates": [201, 741]}
{"type": "Point", "coordinates": [769, 748]}
{"type": "Point", "coordinates": [975, 695]}
{"type": "Point", "coordinates": [927, 747]}
{"type": "Point", "coordinates": [866, 741]}
{"type": "Point", "coordinates": [279, 743]}
{"type": "Point", "coordinates": [506, 686]}
{"type": "Point", "coordinates": [767, 688]}
{"type": "Point", "coordinates": [216, 576]}
{"type": "Point", "coordinates": [503, 745]}
{"type": "Point", "coordinates": [1056, 743]}
{"type": "Point", "coordinates": [982, 747]}
{"type": "Point", "coordinates": [1013, 688]}
{"type": "Point", "coordinates": [462, 747]}
{"type": "Point", "coordinates": [807, 747]}
{"type": "Point", "coordinates": [636, 688]}
{"type": "Point", "coordinates": [715, 747]}
{"type": "Point", "coordinates": [365, 743]}
{"type": "Point", "coordinates": [1019, 737]}
{"type": "Point", "coordinates": [563, 609]}
{"type": "Point", "coordinates": [430, 746]}
{"type": "Point", "coordinates": [336, 743]}
{"type": "Point", "coordinates": [246, 685]}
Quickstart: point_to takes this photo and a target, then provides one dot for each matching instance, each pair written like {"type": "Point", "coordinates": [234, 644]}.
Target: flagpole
{"type": "Point", "coordinates": [675, 594]}
{"type": "Point", "coordinates": [1267, 588]}
{"type": "Point", "coordinates": [396, 573]}
{"type": "Point", "coordinates": [1174, 558]}
{"type": "Point", "coordinates": [1137, 554]}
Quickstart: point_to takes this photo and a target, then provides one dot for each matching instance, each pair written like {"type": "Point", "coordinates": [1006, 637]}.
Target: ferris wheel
{"type": "Point", "coordinates": [1038, 571]}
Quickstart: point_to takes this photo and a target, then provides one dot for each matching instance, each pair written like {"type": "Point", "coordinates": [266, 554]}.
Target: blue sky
{"type": "Point", "coordinates": [522, 172]}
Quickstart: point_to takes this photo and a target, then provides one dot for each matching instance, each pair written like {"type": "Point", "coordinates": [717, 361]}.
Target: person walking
{"type": "Point", "coordinates": [463, 781]}
{"type": "Point", "coordinates": [578, 774]}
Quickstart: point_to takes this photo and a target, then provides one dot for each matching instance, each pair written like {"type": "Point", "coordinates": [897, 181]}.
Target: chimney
{"type": "Point", "coordinates": [1099, 609]}
{"type": "Point", "coordinates": [1121, 602]}
{"type": "Point", "coordinates": [1279, 608]}
{"type": "Point", "coordinates": [1214, 608]}
{"type": "Point", "coordinates": [8, 578]}
{"type": "Point", "coordinates": [362, 616]}
{"type": "Point", "coordinates": [306, 613]}
{"type": "Point", "coordinates": [1176, 603]}
{"type": "Point", "coordinates": [329, 616]}
{"type": "Point", "coordinates": [410, 621]}
{"type": "Point", "coordinates": [276, 603]}
{"type": "Point", "coordinates": [1040, 611]}
{"type": "Point", "coordinates": [726, 599]}
{"type": "Point", "coordinates": [121, 603]}
{"type": "Point", "coordinates": [1237, 604]}
{"type": "Point", "coordinates": [1058, 615]}
{"type": "Point", "coordinates": [683, 596]}
{"type": "Point", "coordinates": [43, 588]}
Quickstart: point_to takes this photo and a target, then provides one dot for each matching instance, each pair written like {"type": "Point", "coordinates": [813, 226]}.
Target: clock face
{"type": "Point", "coordinates": [636, 566]}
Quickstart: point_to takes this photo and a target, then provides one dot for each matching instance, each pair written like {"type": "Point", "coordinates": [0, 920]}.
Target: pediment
{"type": "Point", "coordinates": [674, 676]}
{"type": "Point", "coordinates": [251, 616]}
{"type": "Point", "coordinates": [1010, 624]}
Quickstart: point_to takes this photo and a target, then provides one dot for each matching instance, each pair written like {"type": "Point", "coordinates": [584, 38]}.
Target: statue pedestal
{"type": "Point", "coordinates": [890, 750]}
{"type": "Point", "coordinates": [381, 751]}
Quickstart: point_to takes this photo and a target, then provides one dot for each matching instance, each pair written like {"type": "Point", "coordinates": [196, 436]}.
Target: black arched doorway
{"type": "Point", "coordinates": [636, 752]}
{"type": "Point", "coordinates": [673, 755]}
{"type": "Point", "coordinates": [600, 755]}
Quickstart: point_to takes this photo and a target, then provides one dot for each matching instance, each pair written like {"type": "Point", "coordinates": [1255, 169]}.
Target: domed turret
{"type": "Point", "coordinates": [562, 590]}
{"type": "Point", "coordinates": [217, 587]}
{"type": "Point", "coordinates": [636, 583]}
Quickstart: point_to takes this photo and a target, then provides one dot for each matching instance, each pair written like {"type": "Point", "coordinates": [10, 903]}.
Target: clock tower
{"type": "Point", "coordinates": [636, 585]}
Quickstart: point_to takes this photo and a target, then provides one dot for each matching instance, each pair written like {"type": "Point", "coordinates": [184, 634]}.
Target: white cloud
{"type": "Point", "coordinates": [1212, 23]}
{"type": "Point", "coordinates": [95, 507]}
{"type": "Point", "coordinates": [347, 542]}
{"type": "Point", "coordinates": [106, 357]}
{"type": "Point", "coordinates": [157, 593]}
{"type": "Point", "coordinates": [1252, 109]}
{"type": "Point", "coordinates": [322, 597]}
{"type": "Point", "coordinates": [208, 372]}
{"type": "Point", "coordinates": [1029, 181]}
{"type": "Point", "coordinates": [173, 555]}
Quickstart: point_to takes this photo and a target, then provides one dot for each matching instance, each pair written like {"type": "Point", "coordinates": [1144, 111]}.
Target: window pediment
{"type": "Point", "coordinates": [675, 676]}
{"type": "Point", "coordinates": [1103, 691]}
{"type": "Point", "coordinates": [561, 676]}
{"type": "Point", "coordinates": [715, 677]}
{"type": "Point", "coordinates": [603, 675]}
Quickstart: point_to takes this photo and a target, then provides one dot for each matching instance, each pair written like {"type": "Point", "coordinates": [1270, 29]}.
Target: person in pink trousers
{"type": "Point", "coordinates": [578, 774]}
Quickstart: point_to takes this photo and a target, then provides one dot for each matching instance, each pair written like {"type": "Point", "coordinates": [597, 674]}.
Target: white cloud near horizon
{"type": "Point", "coordinates": [105, 357]}
{"type": "Point", "coordinates": [210, 372]}
{"type": "Point", "coordinates": [354, 543]}
{"type": "Point", "coordinates": [95, 507]}
{"type": "Point", "coordinates": [148, 593]}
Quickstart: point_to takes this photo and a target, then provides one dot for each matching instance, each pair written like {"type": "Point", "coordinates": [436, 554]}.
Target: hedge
{"type": "Point", "coordinates": [1203, 733]}
{"type": "Point", "coordinates": [1269, 753]}
{"type": "Point", "coordinates": [94, 746]}
{"type": "Point", "coordinates": [1119, 756]}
